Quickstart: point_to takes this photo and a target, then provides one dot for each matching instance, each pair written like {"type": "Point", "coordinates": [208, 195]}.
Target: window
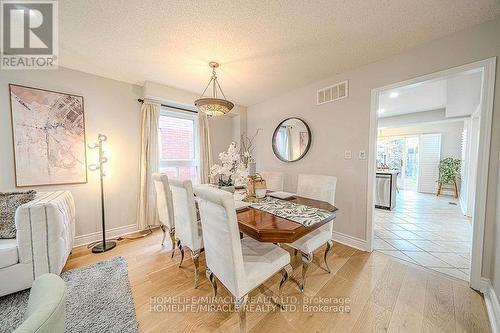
{"type": "Point", "coordinates": [178, 145]}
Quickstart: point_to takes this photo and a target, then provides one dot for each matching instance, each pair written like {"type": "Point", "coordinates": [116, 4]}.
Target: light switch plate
{"type": "Point", "coordinates": [362, 155]}
{"type": "Point", "coordinates": [347, 154]}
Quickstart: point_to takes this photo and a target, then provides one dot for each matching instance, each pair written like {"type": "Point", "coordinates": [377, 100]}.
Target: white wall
{"type": "Point", "coordinates": [451, 135]}
{"type": "Point", "coordinates": [221, 134]}
{"type": "Point", "coordinates": [345, 124]}
{"type": "Point", "coordinates": [414, 118]}
{"type": "Point", "coordinates": [111, 108]}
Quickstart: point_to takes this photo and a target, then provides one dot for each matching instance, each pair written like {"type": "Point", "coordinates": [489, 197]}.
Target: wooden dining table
{"type": "Point", "coordinates": [266, 227]}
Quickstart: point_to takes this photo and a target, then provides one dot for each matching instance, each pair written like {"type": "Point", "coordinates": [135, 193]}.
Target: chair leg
{"type": "Point", "coordinates": [239, 305]}
{"type": "Point", "coordinates": [286, 272]}
{"type": "Point", "coordinates": [172, 238]}
{"type": "Point", "coordinates": [306, 260]}
{"type": "Point", "coordinates": [181, 249]}
{"type": "Point", "coordinates": [195, 255]}
{"type": "Point", "coordinates": [211, 278]}
{"type": "Point", "coordinates": [164, 230]}
{"type": "Point", "coordinates": [329, 246]}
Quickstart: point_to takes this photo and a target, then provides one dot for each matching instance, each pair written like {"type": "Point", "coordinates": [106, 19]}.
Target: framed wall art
{"type": "Point", "coordinates": [48, 130]}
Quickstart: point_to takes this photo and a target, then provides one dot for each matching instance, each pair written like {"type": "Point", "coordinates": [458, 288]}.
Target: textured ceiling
{"type": "Point", "coordinates": [265, 47]}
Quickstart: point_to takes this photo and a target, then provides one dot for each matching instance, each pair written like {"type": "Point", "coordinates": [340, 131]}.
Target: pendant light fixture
{"type": "Point", "coordinates": [214, 106]}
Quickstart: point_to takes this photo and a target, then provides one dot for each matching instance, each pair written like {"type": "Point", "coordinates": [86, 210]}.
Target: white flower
{"type": "Point", "coordinates": [232, 165]}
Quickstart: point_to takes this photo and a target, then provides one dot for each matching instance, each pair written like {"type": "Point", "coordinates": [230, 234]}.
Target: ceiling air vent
{"type": "Point", "coordinates": [333, 93]}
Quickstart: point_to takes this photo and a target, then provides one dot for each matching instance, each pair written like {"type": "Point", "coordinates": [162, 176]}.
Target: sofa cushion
{"type": "Point", "coordinates": [9, 202]}
{"type": "Point", "coordinates": [8, 252]}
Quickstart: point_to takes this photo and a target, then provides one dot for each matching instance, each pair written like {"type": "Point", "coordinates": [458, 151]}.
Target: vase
{"type": "Point", "coordinates": [229, 189]}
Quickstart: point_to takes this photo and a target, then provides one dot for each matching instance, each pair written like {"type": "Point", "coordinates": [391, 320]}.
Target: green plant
{"type": "Point", "coordinates": [227, 182]}
{"type": "Point", "coordinates": [449, 170]}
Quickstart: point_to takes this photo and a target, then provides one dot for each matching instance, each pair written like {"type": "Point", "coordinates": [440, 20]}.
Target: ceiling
{"type": "Point", "coordinates": [430, 95]}
{"type": "Point", "coordinates": [420, 97]}
{"type": "Point", "coordinates": [265, 47]}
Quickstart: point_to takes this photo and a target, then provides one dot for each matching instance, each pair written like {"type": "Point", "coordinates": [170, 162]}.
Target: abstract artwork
{"type": "Point", "coordinates": [49, 137]}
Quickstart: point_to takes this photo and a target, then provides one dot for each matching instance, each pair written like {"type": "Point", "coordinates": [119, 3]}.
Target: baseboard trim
{"type": "Point", "coordinates": [484, 285]}
{"type": "Point", "coordinates": [492, 307]}
{"type": "Point", "coordinates": [110, 233]}
{"type": "Point", "coordinates": [351, 241]}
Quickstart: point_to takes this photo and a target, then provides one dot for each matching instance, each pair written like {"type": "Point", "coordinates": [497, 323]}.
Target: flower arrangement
{"type": "Point", "coordinates": [232, 170]}
{"type": "Point", "coordinates": [449, 170]}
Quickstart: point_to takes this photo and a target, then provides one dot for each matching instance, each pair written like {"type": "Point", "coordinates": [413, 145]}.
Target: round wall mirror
{"type": "Point", "coordinates": [291, 140]}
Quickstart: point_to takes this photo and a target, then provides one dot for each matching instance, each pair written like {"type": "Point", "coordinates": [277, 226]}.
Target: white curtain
{"type": "Point", "coordinates": [205, 152]}
{"type": "Point", "coordinates": [289, 143]}
{"type": "Point", "coordinates": [146, 212]}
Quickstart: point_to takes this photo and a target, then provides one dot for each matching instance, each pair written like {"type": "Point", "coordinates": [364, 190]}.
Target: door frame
{"type": "Point", "coordinates": [488, 66]}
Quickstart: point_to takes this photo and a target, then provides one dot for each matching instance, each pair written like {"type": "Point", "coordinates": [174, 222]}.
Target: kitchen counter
{"type": "Point", "coordinates": [388, 172]}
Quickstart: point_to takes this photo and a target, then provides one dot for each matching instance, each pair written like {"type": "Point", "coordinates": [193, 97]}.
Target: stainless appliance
{"type": "Point", "coordinates": [385, 186]}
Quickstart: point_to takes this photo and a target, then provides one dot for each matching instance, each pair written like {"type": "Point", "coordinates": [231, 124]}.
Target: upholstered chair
{"type": "Point", "coordinates": [45, 313]}
{"type": "Point", "coordinates": [241, 265]}
{"type": "Point", "coordinates": [274, 180]}
{"type": "Point", "coordinates": [322, 188]}
{"type": "Point", "coordinates": [187, 227]}
{"type": "Point", "coordinates": [165, 207]}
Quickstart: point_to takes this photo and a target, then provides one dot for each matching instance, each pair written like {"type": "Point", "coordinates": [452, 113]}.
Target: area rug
{"type": "Point", "coordinates": [98, 299]}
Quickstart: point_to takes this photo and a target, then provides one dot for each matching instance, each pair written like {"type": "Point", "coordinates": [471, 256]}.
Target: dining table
{"type": "Point", "coordinates": [270, 228]}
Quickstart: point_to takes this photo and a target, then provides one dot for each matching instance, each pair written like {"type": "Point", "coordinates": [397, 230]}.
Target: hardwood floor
{"type": "Point", "coordinates": [384, 294]}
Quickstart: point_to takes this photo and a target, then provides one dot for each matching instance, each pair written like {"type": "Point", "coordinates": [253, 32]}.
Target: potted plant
{"type": "Point", "coordinates": [449, 170]}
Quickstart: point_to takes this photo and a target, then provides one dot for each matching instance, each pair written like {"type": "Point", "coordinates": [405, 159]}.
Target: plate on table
{"type": "Point", "coordinates": [239, 195]}
{"type": "Point", "coordinates": [281, 195]}
{"type": "Point", "coordinates": [240, 205]}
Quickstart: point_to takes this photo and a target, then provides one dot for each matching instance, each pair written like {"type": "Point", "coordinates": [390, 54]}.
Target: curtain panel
{"type": "Point", "coordinates": [146, 213]}
{"type": "Point", "coordinates": [205, 151]}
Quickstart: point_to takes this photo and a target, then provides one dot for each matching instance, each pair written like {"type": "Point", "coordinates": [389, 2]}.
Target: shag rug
{"type": "Point", "coordinates": [98, 299]}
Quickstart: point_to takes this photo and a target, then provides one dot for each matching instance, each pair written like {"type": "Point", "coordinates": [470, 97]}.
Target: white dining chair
{"type": "Point", "coordinates": [318, 187]}
{"type": "Point", "coordinates": [187, 227]}
{"type": "Point", "coordinates": [165, 207]}
{"type": "Point", "coordinates": [241, 265]}
{"type": "Point", "coordinates": [274, 180]}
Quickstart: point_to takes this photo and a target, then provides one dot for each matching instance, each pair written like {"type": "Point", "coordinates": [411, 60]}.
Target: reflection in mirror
{"type": "Point", "coordinates": [291, 140]}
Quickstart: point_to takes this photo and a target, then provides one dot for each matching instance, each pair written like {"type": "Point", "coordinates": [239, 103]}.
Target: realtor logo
{"type": "Point", "coordinates": [29, 34]}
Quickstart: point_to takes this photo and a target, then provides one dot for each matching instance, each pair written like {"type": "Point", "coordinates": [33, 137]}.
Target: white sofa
{"type": "Point", "coordinates": [44, 239]}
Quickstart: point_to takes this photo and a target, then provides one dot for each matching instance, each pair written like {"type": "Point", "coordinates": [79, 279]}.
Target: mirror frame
{"type": "Point", "coordinates": [275, 151]}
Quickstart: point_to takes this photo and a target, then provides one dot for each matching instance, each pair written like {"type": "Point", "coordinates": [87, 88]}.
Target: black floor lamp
{"type": "Point", "coordinates": [105, 245]}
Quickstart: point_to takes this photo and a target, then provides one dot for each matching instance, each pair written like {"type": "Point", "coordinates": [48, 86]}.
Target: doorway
{"type": "Point", "coordinates": [401, 154]}
{"type": "Point", "coordinates": [487, 69]}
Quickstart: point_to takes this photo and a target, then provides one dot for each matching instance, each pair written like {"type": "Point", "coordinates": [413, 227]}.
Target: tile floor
{"type": "Point", "coordinates": [426, 230]}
